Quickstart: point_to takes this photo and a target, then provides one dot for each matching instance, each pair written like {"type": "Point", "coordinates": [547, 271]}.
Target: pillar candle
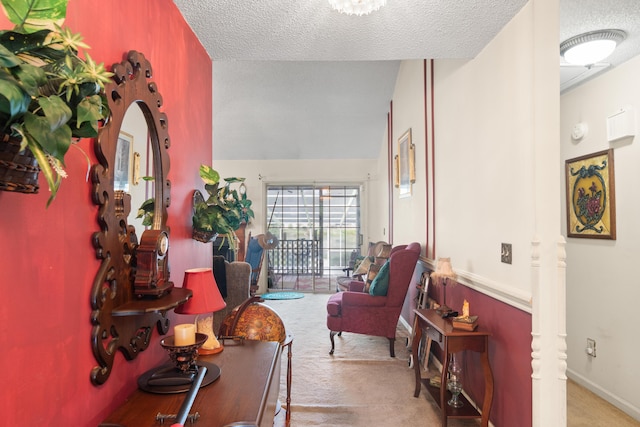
{"type": "Point", "coordinates": [184, 334]}
{"type": "Point", "coordinates": [465, 309]}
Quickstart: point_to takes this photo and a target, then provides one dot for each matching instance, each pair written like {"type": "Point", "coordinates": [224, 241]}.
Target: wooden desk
{"type": "Point", "coordinates": [247, 391]}
{"type": "Point", "coordinates": [451, 340]}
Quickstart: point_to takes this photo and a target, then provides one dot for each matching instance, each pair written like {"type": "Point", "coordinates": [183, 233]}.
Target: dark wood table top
{"type": "Point", "coordinates": [443, 325]}
{"type": "Point", "coordinates": [247, 391]}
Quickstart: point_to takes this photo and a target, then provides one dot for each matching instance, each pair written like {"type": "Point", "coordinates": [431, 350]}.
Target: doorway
{"type": "Point", "coordinates": [318, 228]}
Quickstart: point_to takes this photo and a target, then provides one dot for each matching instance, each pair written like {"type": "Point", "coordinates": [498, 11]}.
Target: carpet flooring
{"type": "Point", "coordinates": [360, 385]}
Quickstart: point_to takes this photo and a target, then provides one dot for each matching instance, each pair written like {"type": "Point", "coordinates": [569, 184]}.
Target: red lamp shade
{"type": "Point", "coordinates": [206, 296]}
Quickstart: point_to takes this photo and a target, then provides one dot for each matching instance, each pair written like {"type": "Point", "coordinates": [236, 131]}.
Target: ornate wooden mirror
{"type": "Point", "coordinates": [131, 291]}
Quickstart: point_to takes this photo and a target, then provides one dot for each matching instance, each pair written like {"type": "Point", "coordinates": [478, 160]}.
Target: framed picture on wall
{"type": "Point", "coordinates": [405, 164]}
{"type": "Point", "coordinates": [591, 211]}
{"type": "Point", "coordinates": [123, 166]}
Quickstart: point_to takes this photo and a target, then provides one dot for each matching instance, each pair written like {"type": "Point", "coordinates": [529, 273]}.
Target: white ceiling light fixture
{"type": "Point", "coordinates": [592, 47]}
{"type": "Point", "coordinates": [357, 7]}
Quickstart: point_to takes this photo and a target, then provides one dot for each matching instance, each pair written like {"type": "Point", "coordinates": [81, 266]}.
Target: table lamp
{"type": "Point", "coordinates": [440, 276]}
{"type": "Point", "coordinates": [206, 299]}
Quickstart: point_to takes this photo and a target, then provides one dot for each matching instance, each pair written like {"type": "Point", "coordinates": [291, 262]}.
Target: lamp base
{"type": "Point", "coordinates": [167, 379]}
{"type": "Point", "coordinates": [208, 351]}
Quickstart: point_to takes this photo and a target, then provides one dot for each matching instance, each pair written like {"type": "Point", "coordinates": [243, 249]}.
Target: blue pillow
{"type": "Point", "coordinates": [380, 284]}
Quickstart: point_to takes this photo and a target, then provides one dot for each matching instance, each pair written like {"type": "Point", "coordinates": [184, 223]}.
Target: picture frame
{"type": "Point", "coordinates": [123, 163]}
{"type": "Point", "coordinates": [406, 164]}
{"type": "Point", "coordinates": [590, 194]}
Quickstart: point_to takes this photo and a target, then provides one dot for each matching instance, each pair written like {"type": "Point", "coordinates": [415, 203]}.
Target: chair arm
{"type": "Point", "coordinates": [356, 286]}
{"type": "Point", "coordinates": [362, 300]}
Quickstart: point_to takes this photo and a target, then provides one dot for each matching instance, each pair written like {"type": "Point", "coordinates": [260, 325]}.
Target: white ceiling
{"type": "Point", "coordinates": [294, 79]}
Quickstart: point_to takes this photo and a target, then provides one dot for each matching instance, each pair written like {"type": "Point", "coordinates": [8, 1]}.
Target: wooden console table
{"type": "Point", "coordinates": [246, 392]}
{"type": "Point", "coordinates": [451, 341]}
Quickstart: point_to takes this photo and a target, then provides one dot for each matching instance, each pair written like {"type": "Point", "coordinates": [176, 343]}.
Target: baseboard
{"type": "Point", "coordinates": [623, 405]}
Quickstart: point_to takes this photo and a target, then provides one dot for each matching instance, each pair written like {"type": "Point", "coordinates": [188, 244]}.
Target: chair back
{"type": "Point", "coordinates": [402, 264]}
{"type": "Point", "coordinates": [255, 252]}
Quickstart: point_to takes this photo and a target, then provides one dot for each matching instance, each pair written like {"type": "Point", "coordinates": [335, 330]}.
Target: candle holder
{"type": "Point", "coordinates": [184, 356]}
{"type": "Point", "coordinates": [177, 376]}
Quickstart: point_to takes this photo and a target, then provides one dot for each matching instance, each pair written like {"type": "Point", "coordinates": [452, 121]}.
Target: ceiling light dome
{"type": "Point", "coordinates": [592, 47]}
{"type": "Point", "coordinates": [357, 7]}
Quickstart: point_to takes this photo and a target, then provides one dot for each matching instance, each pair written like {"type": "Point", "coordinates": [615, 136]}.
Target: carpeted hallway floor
{"type": "Point", "coordinates": [360, 385]}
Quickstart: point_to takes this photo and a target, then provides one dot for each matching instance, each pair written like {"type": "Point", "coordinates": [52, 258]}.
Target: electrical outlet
{"type": "Point", "coordinates": [505, 253]}
{"type": "Point", "coordinates": [591, 347]}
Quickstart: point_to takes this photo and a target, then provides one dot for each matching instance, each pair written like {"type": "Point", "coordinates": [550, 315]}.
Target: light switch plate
{"type": "Point", "coordinates": [506, 253]}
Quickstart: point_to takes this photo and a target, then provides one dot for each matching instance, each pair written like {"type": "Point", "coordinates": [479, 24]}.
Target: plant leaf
{"type": "Point", "coordinates": [55, 110]}
{"type": "Point", "coordinates": [55, 142]}
{"type": "Point", "coordinates": [14, 101]}
{"type": "Point", "coordinates": [53, 180]}
{"type": "Point", "coordinates": [89, 111]}
{"type": "Point", "coordinates": [32, 15]}
{"type": "Point", "coordinates": [209, 175]}
{"type": "Point", "coordinates": [234, 179]}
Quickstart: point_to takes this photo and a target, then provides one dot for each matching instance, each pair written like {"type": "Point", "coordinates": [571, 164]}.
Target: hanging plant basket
{"type": "Point", "coordinates": [18, 169]}
{"type": "Point", "coordinates": [204, 236]}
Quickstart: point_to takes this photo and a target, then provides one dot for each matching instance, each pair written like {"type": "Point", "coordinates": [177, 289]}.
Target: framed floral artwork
{"type": "Point", "coordinates": [590, 181]}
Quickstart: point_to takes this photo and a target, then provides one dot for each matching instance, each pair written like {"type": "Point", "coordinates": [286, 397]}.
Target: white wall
{"type": "Point", "coordinates": [378, 196]}
{"type": "Point", "coordinates": [409, 213]}
{"type": "Point", "coordinates": [484, 136]}
{"type": "Point", "coordinates": [602, 285]}
{"type": "Point", "coordinates": [496, 177]}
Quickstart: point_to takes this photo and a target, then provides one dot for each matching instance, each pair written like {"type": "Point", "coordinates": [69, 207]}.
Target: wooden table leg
{"type": "Point", "coordinates": [488, 384]}
{"type": "Point", "coordinates": [289, 344]}
{"type": "Point", "coordinates": [417, 336]}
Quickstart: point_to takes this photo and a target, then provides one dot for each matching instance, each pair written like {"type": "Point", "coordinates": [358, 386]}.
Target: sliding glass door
{"type": "Point", "coordinates": [318, 228]}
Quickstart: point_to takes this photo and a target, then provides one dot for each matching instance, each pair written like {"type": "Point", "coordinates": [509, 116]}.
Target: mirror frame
{"type": "Point", "coordinates": [120, 320]}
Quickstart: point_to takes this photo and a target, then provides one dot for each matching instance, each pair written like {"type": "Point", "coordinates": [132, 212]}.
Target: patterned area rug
{"type": "Point", "coordinates": [282, 295]}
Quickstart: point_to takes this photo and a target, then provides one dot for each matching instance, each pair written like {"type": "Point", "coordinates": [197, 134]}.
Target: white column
{"type": "Point", "coordinates": [548, 254]}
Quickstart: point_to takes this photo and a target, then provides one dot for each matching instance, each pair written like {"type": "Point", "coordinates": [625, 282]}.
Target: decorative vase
{"type": "Point", "coordinates": [18, 169]}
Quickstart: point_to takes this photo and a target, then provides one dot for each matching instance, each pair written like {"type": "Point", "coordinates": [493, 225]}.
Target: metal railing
{"type": "Point", "coordinates": [296, 257]}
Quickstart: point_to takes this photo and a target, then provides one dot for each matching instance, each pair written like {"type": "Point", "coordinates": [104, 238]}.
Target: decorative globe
{"type": "Point", "coordinates": [257, 322]}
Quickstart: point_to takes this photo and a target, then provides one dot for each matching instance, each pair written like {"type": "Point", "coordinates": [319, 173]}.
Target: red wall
{"type": "Point", "coordinates": [47, 262]}
{"type": "Point", "coordinates": [509, 351]}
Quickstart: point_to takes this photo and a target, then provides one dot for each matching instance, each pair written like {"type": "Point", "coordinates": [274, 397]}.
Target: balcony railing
{"type": "Point", "coordinates": [296, 257]}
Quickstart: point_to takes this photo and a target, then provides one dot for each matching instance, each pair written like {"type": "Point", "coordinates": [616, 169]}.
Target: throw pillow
{"type": "Point", "coordinates": [363, 267]}
{"type": "Point", "coordinates": [371, 275]}
{"type": "Point", "coordinates": [380, 285]}
{"type": "Point", "coordinates": [385, 251]}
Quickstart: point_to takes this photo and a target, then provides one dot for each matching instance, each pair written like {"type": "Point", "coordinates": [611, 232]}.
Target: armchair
{"type": "Point", "coordinates": [237, 274]}
{"type": "Point", "coordinates": [368, 314]}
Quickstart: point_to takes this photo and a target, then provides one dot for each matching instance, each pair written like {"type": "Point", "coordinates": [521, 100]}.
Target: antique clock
{"type": "Point", "coordinates": [152, 269]}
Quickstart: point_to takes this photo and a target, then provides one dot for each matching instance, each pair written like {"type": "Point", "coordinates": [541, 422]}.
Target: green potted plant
{"type": "Point", "coordinates": [49, 96]}
{"type": "Point", "coordinates": [223, 211]}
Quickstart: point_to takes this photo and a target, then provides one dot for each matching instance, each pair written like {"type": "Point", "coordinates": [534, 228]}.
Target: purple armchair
{"type": "Point", "coordinates": [367, 314]}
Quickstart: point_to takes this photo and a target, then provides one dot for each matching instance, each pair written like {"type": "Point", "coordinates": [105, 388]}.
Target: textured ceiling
{"type": "Point", "coordinates": [294, 79]}
{"type": "Point", "coordinates": [309, 30]}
